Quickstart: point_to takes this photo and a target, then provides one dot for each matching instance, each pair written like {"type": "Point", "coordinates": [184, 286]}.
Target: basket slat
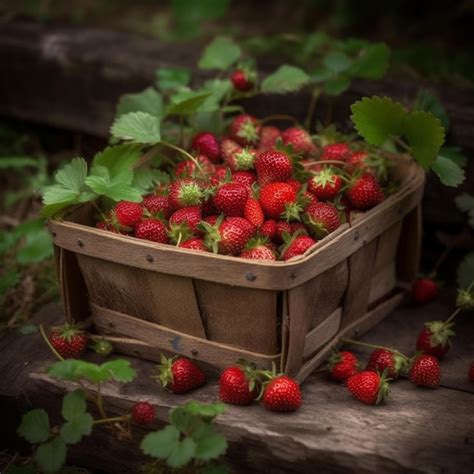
{"type": "Point", "coordinates": [321, 334]}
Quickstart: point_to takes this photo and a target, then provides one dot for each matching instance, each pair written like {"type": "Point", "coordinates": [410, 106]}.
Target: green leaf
{"type": "Point", "coordinates": [117, 188]}
{"type": "Point", "coordinates": [74, 404]}
{"type": "Point", "coordinates": [337, 62]}
{"type": "Point", "coordinates": [160, 444]}
{"type": "Point", "coordinates": [119, 370]}
{"type": "Point", "coordinates": [72, 369]}
{"type": "Point", "coordinates": [454, 154]}
{"type": "Point", "coordinates": [186, 102]}
{"type": "Point", "coordinates": [8, 280]}
{"type": "Point", "coordinates": [28, 329]}
{"type": "Point", "coordinates": [26, 469]}
{"type": "Point", "coordinates": [321, 75]}
{"type": "Point", "coordinates": [377, 119]}
{"type": "Point", "coordinates": [465, 203]}
{"type": "Point", "coordinates": [35, 426]}
{"type": "Point", "coordinates": [214, 469]}
{"type": "Point", "coordinates": [285, 79]}
{"type": "Point", "coordinates": [16, 162]}
{"type": "Point", "coordinates": [466, 271]}
{"type": "Point", "coordinates": [148, 101]}
{"type": "Point", "coordinates": [38, 247]}
{"type": "Point", "coordinates": [220, 54]}
{"type": "Point", "coordinates": [118, 160]}
{"type": "Point", "coordinates": [372, 62]}
{"type": "Point", "coordinates": [430, 103]}
{"type": "Point", "coordinates": [209, 444]}
{"type": "Point", "coordinates": [449, 173]}
{"type": "Point", "coordinates": [182, 454]}
{"type": "Point", "coordinates": [183, 420]}
{"type": "Point", "coordinates": [205, 410]}
{"type": "Point", "coordinates": [73, 430]}
{"type": "Point", "coordinates": [425, 135]}
{"type": "Point", "coordinates": [337, 85]}
{"type": "Point", "coordinates": [172, 78]}
{"type": "Point", "coordinates": [51, 456]}
{"type": "Point", "coordinates": [138, 127]}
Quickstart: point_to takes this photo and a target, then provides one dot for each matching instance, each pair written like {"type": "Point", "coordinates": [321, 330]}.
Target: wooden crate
{"type": "Point", "coordinates": [151, 297]}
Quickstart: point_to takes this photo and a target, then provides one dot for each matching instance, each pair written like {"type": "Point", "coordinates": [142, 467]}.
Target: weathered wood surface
{"type": "Point", "coordinates": [418, 431]}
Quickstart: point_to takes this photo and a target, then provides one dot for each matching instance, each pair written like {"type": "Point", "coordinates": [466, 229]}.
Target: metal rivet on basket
{"type": "Point", "coordinates": [80, 243]}
{"type": "Point", "coordinates": [293, 275]}
{"type": "Point", "coordinates": [356, 235]}
{"type": "Point", "coordinates": [250, 276]}
{"type": "Point", "coordinates": [149, 258]}
{"type": "Point", "coordinates": [194, 352]}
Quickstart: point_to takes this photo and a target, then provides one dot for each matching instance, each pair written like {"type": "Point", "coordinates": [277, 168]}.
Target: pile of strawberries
{"type": "Point", "coordinates": [257, 193]}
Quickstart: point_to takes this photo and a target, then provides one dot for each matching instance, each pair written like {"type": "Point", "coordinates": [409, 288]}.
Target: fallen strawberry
{"type": "Point", "coordinates": [282, 394]}
{"type": "Point", "coordinates": [384, 360]}
{"type": "Point", "coordinates": [69, 341]}
{"type": "Point", "coordinates": [238, 385]}
{"type": "Point", "coordinates": [143, 413]}
{"type": "Point", "coordinates": [368, 387]}
{"type": "Point", "coordinates": [425, 371]}
{"type": "Point", "coordinates": [179, 375]}
{"type": "Point", "coordinates": [424, 290]}
{"type": "Point", "coordinates": [342, 365]}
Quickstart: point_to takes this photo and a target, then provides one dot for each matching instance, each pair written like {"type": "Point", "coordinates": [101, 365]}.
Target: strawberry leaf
{"type": "Point", "coordinates": [220, 54]}
{"type": "Point", "coordinates": [148, 101]}
{"type": "Point", "coordinates": [449, 173]}
{"type": "Point", "coordinates": [430, 103]}
{"type": "Point", "coordinates": [119, 370]}
{"type": "Point", "coordinates": [465, 203]}
{"type": "Point", "coordinates": [337, 62]}
{"type": "Point", "coordinates": [454, 154]}
{"type": "Point", "coordinates": [118, 159]}
{"type": "Point", "coordinates": [35, 426]}
{"type": "Point", "coordinates": [172, 78]}
{"type": "Point", "coordinates": [51, 456]}
{"type": "Point", "coordinates": [285, 79]}
{"type": "Point", "coordinates": [186, 102]}
{"type": "Point", "coordinates": [209, 444]}
{"type": "Point", "coordinates": [182, 453]}
{"type": "Point", "coordinates": [372, 62]}
{"type": "Point", "coordinates": [138, 127]}
{"type": "Point", "coordinates": [73, 430]}
{"type": "Point", "coordinates": [337, 85]}
{"type": "Point", "coordinates": [466, 271]}
{"type": "Point", "coordinates": [206, 411]}
{"type": "Point", "coordinates": [74, 404]}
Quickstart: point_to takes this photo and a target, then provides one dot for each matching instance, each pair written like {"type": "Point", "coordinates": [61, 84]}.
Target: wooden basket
{"type": "Point", "coordinates": [151, 297]}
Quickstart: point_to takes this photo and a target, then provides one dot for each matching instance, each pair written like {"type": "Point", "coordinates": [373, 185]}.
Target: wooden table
{"type": "Point", "coordinates": [418, 430]}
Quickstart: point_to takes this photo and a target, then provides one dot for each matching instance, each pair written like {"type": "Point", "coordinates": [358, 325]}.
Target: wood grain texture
{"type": "Point", "coordinates": [382, 283]}
{"type": "Point", "coordinates": [409, 248]}
{"type": "Point", "coordinates": [387, 247]}
{"type": "Point", "coordinates": [321, 334]}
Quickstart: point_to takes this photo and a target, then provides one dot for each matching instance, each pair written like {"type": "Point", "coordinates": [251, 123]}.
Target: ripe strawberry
{"type": "Point", "coordinates": [258, 249]}
{"type": "Point", "coordinates": [273, 166]}
{"type": "Point", "coordinates": [299, 139]}
{"type": "Point", "coordinates": [325, 185]}
{"type": "Point", "coordinates": [322, 218]}
{"type": "Point", "coordinates": [195, 243]}
{"type": "Point", "coordinates": [253, 212]}
{"type": "Point", "coordinates": [157, 206]}
{"type": "Point", "coordinates": [368, 387]}
{"type": "Point", "coordinates": [471, 372]}
{"type": "Point", "coordinates": [229, 235]}
{"type": "Point", "coordinates": [184, 193]}
{"type": "Point", "coordinates": [434, 338]}
{"type": "Point", "coordinates": [425, 371]}
{"type": "Point", "coordinates": [268, 137]}
{"type": "Point", "coordinates": [298, 227]}
{"type": "Point", "coordinates": [188, 168]}
{"type": "Point", "coordinates": [336, 151]}
{"type": "Point", "coordinates": [281, 227]}
{"type": "Point", "coordinates": [268, 229]}
{"type": "Point", "coordinates": [237, 386]}
{"type": "Point", "coordinates": [365, 192]}
{"type": "Point", "coordinates": [230, 199]}
{"type": "Point", "coordinates": [342, 365]}
{"type": "Point", "coordinates": [69, 341]}
{"type": "Point", "coordinates": [180, 375]}
{"type": "Point", "coordinates": [152, 229]}
{"type": "Point", "coordinates": [219, 175]}
{"type": "Point", "coordinates": [244, 129]}
{"type": "Point", "coordinates": [357, 159]}
{"type": "Point", "coordinates": [242, 80]}
{"type": "Point", "coordinates": [275, 197]}
{"type": "Point", "coordinates": [127, 213]}
{"type": "Point", "coordinates": [184, 222]}
{"type": "Point", "coordinates": [383, 359]}
{"type": "Point", "coordinates": [297, 245]}
{"type": "Point", "coordinates": [207, 144]}
{"type": "Point", "coordinates": [143, 413]}
{"type": "Point", "coordinates": [247, 178]}
{"type": "Point", "coordinates": [282, 393]}
{"type": "Point", "coordinates": [424, 290]}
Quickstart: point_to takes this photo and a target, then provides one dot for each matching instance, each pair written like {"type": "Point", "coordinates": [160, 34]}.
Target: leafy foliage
{"type": "Point", "coordinates": [220, 54]}
{"type": "Point", "coordinates": [170, 79]}
{"type": "Point", "coordinates": [285, 79]}
{"type": "Point", "coordinates": [465, 203]}
{"type": "Point", "coordinates": [466, 271]}
{"type": "Point", "coordinates": [148, 101]}
{"type": "Point", "coordinates": [138, 127]}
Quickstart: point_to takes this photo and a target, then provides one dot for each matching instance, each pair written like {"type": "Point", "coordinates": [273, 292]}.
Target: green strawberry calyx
{"type": "Point", "coordinates": [165, 376]}
{"type": "Point", "coordinates": [68, 331]}
{"type": "Point", "coordinates": [440, 332]}
{"type": "Point", "coordinates": [384, 388]}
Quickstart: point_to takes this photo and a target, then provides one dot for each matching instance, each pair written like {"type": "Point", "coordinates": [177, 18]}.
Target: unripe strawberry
{"type": "Point", "coordinates": [143, 413]}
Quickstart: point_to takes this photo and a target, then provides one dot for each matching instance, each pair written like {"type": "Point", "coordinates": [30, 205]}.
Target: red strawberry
{"type": "Point", "coordinates": [282, 393]}
{"type": "Point", "coordinates": [127, 213]}
{"type": "Point", "coordinates": [365, 192]}
{"type": "Point", "coordinates": [157, 206]}
{"type": "Point", "coordinates": [325, 185]}
{"type": "Point", "coordinates": [298, 227]}
{"type": "Point", "coordinates": [322, 218]}
{"type": "Point", "coordinates": [244, 129]}
{"type": "Point", "coordinates": [247, 178]}
{"type": "Point", "coordinates": [342, 365]}
{"type": "Point", "coordinates": [383, 359]}
{"type": "Point", "coordinates": [281, 227]}
{"type": "Point", "coordinates": [143, 413]}
{"type": "Point", "coordinates": [368, 387]}
{"type": "Point", "coordinates": [253, 212]}
{"type": "Point", "coordinates": [229, 148]}
{"type": "Point", "coordinates": [307, 199]}
{"type": "Point", "coordinates": [207, 144]}
{"type": "Point", "coordinates": [268, 137]}
{"type": "Point", "coordinates": [434, 338]}
{"type": "Point", "coordinates": [230, 199]}
{"type": "Point", "coordinates": [195, 243]}
{"type": "Point", "coordinates": [424, 290]}
{"type": "Point", "coordinates": [297, 246]}
{"type": "Point", "coordinates": [184, 193]}
{"type": "Point", "coordinates": [219, 175]}
{"type": "Point", "coordinates": [425, 371]}
{"type": "Point", "coordinates": [242, 80]}
{"type": "Point", "coordinates": [471, 372]}
{"type": "Point", "coordinates": [299, 139]}
{"type": "Point", "coordinates": [229, 235]}
{"type": "Point", "coordinates": [184, 222]}
{"type": "Point", "coordinates": [357, 159]}
{"type": "Point", "coordinates": [179, 375]}
{"type": "Point", "coordinates": [237, 386]}
{"type": "Point", "coordinates": [336, 151]}
{"type": "Point", "coordinates": [243, 159]}
{"type": "Point", "coordinates": [258, 249]}
{"type": "Point", "coordinates": [268, 229]}
{"type": "Point", "coordinates": [273, 166]}
{"type": "Point", "coordinates": [152, 229]}
{"type": "Point", "coordinates": [275, 197]}
{"type": "Point", "coordinates": [69, 341]}
{"type": "Point", "coordinates": [188, 168]}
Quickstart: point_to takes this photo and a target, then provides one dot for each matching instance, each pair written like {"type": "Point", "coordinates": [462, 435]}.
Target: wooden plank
{"type": "Point", "coordinates": [387, 247]}
{"type": "Point", "coordinates": [318, 336]}
{"type": "Point", "coordinates": [241, 317]}
{"type": "Point", "coordinates": [382, 283]}
{"type": "Point", "coordinates": [168, 300]}
{"type": "Point", "coordinates": [409, 249]}
{"type": "Point", "coordinates": [218, 355]}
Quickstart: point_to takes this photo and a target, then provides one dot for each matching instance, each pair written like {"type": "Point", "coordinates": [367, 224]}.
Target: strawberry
{"type": "Point", "coordinates": [257, 249]}
{"type": "Point", "coordinates": [325, 185]}
{"type": "Point", "coordinates": [268, 137]}
{"type": "Point", "coordinates": [384, 360]}
{"type": "Point", "coordinates": [247, 178]}
{"type": "Point", "coordinates": [253, 212]}
{"type": "Point", "coordinates": [229, 148]}
{"type": "Point", "coordinates": [184, 193]}
{"type": "Point", "coordinates": [69, 341]}
{"type": "Point", "coordinates": [179, 375]}
{"type": "Point", "coordinates": [275, 197]}
{"type": "Point", "coordinates": [184, 222]}
{"type": "Point", "coordinates": [298, 227]}
{"type": "Point", "coordinates": [195, 243]}
{"type": "Point", "coordinates": [342, 365]}
{"type": "Point", "coordinates": [188, 168]}
{"type": "Point", "coordinates": [127, 213]}
{"type": "Point", "coordinates": [229, 235]}
{"type": "Point", "coordinates": [424, 290]}
{"type": "Point", "coordinates": [230, 199]}
{"type": "Point", "coordinates": [336, 151]}
{"type": "Point", "coordinates": [364, 193]}
{"type": "Point", "coordinates": [471, 372]}
{"type": "Point", "coordinates": [237, 385]}
{"type": "Point", "coordinates": [282, 393]}
{"type": "Point", "coordinates": [281, 227]}
{"type": "Point", "coordinates": [143, 413]}
{"type": "Point", "coordinates": [357, 159]}
{"type": "Point", "coordinates": [207, 144]}
{"type": "Point", "coordinates": [157, 206]}
{"type": "Point", "coordinates": [219, 175]}
{"type": "Point", "coordinates": [297, 245]}
{"type": "Point", "coordinates": [425, 371]}
{"type": "Point", "coordinates": [273, 166]}
{"type": "Point", "coordinates": [368, 387]}
{"type": "Point", "coordinates": [268, 229]}
{"type": "Point", "coordinates": [322, 218]}
{"type": "Point", "coordinates": [299, 139]}
{"type": "Point", "coordinates": [434, 338]}
{"type": "Point", "coordinates": [152, 229]}
{"type": "Point", "coordinates": [242, 80]}
{"type": "Point", "coordinates": [244, 130]}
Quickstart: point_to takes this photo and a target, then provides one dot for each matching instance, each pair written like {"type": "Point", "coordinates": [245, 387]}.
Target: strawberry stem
{"type": "Point", "coordinates": [438, 262]}
{"type": "Point", "coordinates": [45, 337]}
{"type": "Point", "coordinates": [372, 346]}
{"type": "Point", "coordinates": [312, 104]}
{"type": "Point", "coordinates": [114, 419]}
{"type": "Point", "coordinates": [186, 154]}
{"type": "Point", "coordinates": [455, 313]}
